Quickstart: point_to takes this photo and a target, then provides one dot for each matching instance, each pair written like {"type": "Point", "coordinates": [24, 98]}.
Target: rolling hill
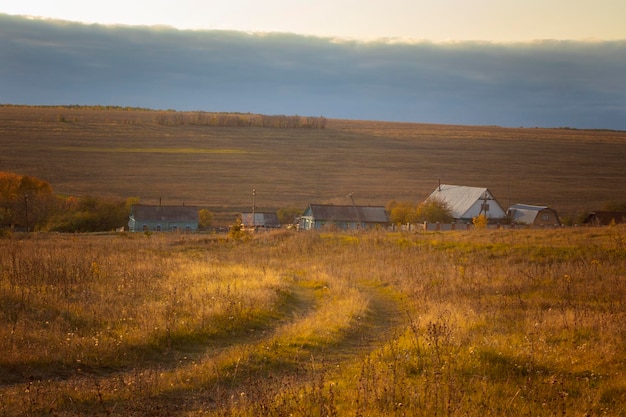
{"type": "Point", "coordinates": [168, 156]}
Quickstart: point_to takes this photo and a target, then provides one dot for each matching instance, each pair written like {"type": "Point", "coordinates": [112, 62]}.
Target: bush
{"type": "Point", "coordinates": [89, 214]}
{"type": "Point", "coordinates": [480, 221]}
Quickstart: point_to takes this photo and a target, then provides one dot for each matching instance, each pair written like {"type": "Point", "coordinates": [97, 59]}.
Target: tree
{"type": "Point", "coordinates": [434, 210]}
{"type": "Point", "coordinates": [288, 215]}
{"type": "Point", "coordinates": [25, 201]}
{"type": "Point", "coordinates": [90, 214]}
{"type": "Point", "coordinates": [206, 218]}
{"type": "Point", "coordinates": [401, 212]}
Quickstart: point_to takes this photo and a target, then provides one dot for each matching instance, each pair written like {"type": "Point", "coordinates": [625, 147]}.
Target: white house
{"type": "Point", "coordinates": [469, 202]}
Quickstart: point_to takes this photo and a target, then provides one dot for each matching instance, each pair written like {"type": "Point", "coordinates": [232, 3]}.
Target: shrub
{"type": "Point", "coordinates": [89, 214]}
{"type": "Point", "coordinates": [480, 221]}
{"type": "Point", "coordinates": [434, 210]}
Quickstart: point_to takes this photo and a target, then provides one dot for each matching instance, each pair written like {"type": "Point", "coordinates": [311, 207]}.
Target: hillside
{"type": "Point", "coordinates": [158, 155]}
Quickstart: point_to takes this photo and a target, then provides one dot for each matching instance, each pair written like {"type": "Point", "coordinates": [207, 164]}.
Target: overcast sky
{"type": "Point", "coordinates": [508, 63]}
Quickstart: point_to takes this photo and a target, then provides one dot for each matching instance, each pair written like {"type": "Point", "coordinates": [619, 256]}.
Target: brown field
{"type": "Point", "coordinates": [127, 153]}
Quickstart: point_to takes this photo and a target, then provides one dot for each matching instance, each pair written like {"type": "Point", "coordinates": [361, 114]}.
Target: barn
{"type": "Point", "coordinates": [318, 216]}
{"type": "Point", "coordinates": [466, 202]}
{"type": "Point", "coordinates": [145, 218]}
{"type": "Point", "coordinates": [533, 215]}
{"type": "Point", "coordinates": [605, 218]}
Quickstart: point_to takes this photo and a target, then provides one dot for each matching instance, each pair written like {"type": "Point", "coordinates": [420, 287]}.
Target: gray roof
{"type": "Point", "coordinates": [528, 207]}
{"type": "Point", "coordinates": [460, 198]}
{"type": "Point", "coordinates": [525, 213]}
{"type": "Point", "coordinates": [366, 214]}
{"type": "Point", "coordinates": [260, 219]}
{"type": "Point", "coordinates": [164, 213]}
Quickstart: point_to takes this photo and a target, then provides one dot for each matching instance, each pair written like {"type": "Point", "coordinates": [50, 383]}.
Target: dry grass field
{"type": "Point", "coordinates": [475, 323]}
{"type": "Point", "coordinates": [128, 153]}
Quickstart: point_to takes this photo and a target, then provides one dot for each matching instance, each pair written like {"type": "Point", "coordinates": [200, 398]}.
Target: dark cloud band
{"type": "Point", "coordinates": [549, 83]}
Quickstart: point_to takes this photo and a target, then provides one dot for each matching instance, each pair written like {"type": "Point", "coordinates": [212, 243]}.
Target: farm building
{"type": "Point", "coordinates": [533, 215]}
{"type": "Point", "coordinates": [317, 216]}
{"type": "Point", "coordinates": [163, 218]}
{"type": "Point", "coordinates": [605, 218]}
{"type": "Point", "coordinates": [262, 220]}
{"type": "Point", "coordinates": [469, 202]}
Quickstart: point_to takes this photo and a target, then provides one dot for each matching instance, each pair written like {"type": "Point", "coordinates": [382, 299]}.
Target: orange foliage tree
{"type": "Point", "coordinates": [25, 202]}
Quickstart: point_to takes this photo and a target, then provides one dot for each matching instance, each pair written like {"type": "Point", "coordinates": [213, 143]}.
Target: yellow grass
{"type": "Point", "coordinates": [474, 323]}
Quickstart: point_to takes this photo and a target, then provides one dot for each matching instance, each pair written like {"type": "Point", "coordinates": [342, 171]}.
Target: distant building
{"type": "Point", "coordinates": [163, 218]}
{"type": "Point", "coordinates": [318, 216]}
{"type": "Point", "coordinates": [605, 218]}
{"type": "Point", "coordinates": [260, 220]}
{"type": "Point", "coordinates": [466, 203]}
{"type": "Point", "coordinates": [533, 215]}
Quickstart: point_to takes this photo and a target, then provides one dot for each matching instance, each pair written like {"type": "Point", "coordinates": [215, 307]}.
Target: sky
{"type": "Point", "coordinates": [441, 20]}
{"type": "Point", "coordinates": [550, 63]}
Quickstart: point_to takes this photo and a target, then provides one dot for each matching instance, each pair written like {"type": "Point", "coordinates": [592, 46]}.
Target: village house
{"type": "Point", "coordinates": [350, 217]}
{"type": "Point", "coordinates": [466, 203]}
{"type": "Point", "coordinates": [163, 218]}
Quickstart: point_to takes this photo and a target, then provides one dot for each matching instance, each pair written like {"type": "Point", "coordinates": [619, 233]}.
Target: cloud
{"type": "Point", "coordinates": [548, 83]}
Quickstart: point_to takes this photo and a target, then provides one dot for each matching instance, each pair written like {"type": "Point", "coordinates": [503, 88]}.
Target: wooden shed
{"type": "Point", "coordinates": [318, 216]}
{"type": "Point", "coordinates": [163, 218]}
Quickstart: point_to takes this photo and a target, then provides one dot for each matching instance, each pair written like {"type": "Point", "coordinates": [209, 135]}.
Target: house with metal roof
{"type": "Point", "coordinates": [350, 217]}
{"type": "Point", "coordinates": [533, 215]}
{"type": "Point", "coordinates": [163, 218]}
{"type": "Point", "coordinates": [465, 202]}
{"type": "Point", "coordinates": [260, 220]}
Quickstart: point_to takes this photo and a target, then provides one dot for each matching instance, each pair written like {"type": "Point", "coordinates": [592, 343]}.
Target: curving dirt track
{"type": "Point", "coordinates": [247, 371]}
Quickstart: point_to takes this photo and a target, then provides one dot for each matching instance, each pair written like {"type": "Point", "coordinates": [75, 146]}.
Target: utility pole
{"type": "Point", "coordinates": [484, 206]}
{"type": "Point", "coordinates": [356, 212]}
{"type": "Point", "coordinates": [253, 208]}
{"type": "Point", "coordinates": [26, 210]}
